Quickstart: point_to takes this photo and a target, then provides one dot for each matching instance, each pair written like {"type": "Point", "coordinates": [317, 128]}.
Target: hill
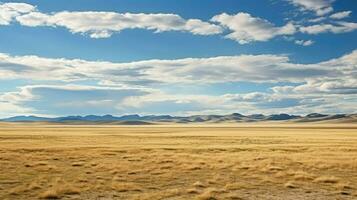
{"type": "Point", "coordinates": [150, 119]}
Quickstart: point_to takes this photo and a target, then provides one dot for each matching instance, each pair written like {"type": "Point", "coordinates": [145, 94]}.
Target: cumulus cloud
{"type": "Point", "coordinates": [34, 19]}
{"type": "Point", "coordinates": [320, 7]}
{"type": "Point", "coordinates": [8, 11]}
{"type": "Point", "coordinates": [304, 42]}
{"type": "Point", "coordinates": [341, 15]}
{"type": "Point", "coordinates": [247, 28]}
{"type": "Point", "coordinates": [244, 27]}
{"type": "Point", "coordinates": [104, 24]}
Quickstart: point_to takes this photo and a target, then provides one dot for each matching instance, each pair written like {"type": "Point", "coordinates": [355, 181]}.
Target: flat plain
{"type": "Point", "coordinates": [205, 162]}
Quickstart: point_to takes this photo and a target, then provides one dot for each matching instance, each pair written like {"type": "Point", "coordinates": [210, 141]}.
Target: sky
{"type": "Point", "coordinates": [177, 57]}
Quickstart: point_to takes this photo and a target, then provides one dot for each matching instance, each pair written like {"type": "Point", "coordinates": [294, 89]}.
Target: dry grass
{"type": "Point", "coordinates": [327, 179]}
{"type": "Point", "coordinates": [58, 189]}
{"type": "Point", "coordinates": [290, 184]}
{"type": "Point", "coordinates": [254, 161]}
{"type": "Point", "coordinates": [125, 187]}
{"type": "Point", "coordinates": [209, 194]}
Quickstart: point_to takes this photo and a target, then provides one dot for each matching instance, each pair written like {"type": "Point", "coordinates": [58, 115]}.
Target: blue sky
{"type": "Point", "coordinates": [177, 57]}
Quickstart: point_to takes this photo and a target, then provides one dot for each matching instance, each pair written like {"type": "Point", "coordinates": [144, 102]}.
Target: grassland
{"type": "Point", "coordinates": [244, 161]}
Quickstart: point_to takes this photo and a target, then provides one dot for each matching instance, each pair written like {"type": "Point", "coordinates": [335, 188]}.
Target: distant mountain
{"type": "Point", "coordinates": [129, 118]}
{"type": "Point", "coordinates": [88, 118]}
{"type": "Point", "coordinates": [315, 115]}
{"type": "Point", "coordinates": [282, 117]}
{"type": "Point", "coordinates": [149, 119]}
{"type": "Point", "coordinates": [257, 116]}
{"type": "Point", "coordinates": [26, 119]}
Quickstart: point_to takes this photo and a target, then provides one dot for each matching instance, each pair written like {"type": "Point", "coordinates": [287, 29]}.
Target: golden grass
{"type": "Point", "coordinates": [59, 189]}
{"type": "Point", "coordinates": [290, 184]}
{"type": "Point", "coordinates": [245, 161]}
{"type": "Point", "coordinates": [327, 179]}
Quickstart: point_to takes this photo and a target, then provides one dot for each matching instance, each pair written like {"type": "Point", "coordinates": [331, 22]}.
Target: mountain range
{"type": "Point", "coordinates": [149, 119]}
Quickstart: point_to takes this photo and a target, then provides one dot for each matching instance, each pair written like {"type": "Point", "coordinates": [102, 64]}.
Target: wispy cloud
{"type": "Point", "coordinates": [253, 68]}
{"type": "Point", "coordinates": [338, 27]}
{"type": "Point", "coordinates": [68, 99]}
{"type": "Point", "coordinates": [341, 15]}
{"type": "Point", "coordinates": [304, 42]}
{"type": "Point", "coordinates": [320, 7]}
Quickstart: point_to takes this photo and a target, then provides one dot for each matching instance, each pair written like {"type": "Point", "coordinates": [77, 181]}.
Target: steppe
{"type": "Point", "coordinates": [202, 161]}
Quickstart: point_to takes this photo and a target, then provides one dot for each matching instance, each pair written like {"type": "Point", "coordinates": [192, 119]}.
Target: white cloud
{"type": "Point", "coordinates": [333, 86]}
{"type": "Point", "coordinates": [341, 15]}
{"type": "Point", "coordinates": [289, 101]}
{"type": "Point", "coordinates": [250, 97]}
{"type": "Point", "coordinates": [8, 109]}
{"type": "Point", "coordinates": [318, 19]}
{"type": "Point", "coordinates": [8, 11]}
{"type": "Point", "coordinates": [253, 68]}
{"type": "Point", "coordinates": [297, 102]}
{"type": "Point", "coordinates": [329, 96]}
{"type": "Point", "coordinates": [151, 73]}
{"type": "Point", "coordinates": [104, 24]}
{"type": "Point", "coordinates": [320, 85]}
{"type": "Point", "coordinates": [320, 7]}
{"type": "Point", "coordinates": [10, 103]}
{"type": "Point", "coordinates": [304, 42]}
{"type": "Point", "coordinates": [344, 83]}
{"type": "Point", "coordinates": [340, 27]}
{"type": "Point", "coordinates": [244, 27]}
{"type": "Point", "coordinates": [33, 92]}
{"type": "Point", "coordinates": [247, 28]}
{"type": "Point", "coordinates": [247, 103]}
{"type": "Point", "coordinates": [76, 99]}
{"type": "Point", "coordinates": [66, 99]}
{"type": "Point", "coordinates": [329, 81]}
{"type": "Point", "coordinates": [34, 19]}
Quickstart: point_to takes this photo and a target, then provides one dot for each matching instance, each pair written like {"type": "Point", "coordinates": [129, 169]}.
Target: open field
{"type": "Point", "coordinates": [242, 161]}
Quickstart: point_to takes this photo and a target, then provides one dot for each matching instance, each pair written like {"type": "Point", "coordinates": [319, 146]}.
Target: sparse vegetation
{"type": "Point", "coordinates": [207, 162]}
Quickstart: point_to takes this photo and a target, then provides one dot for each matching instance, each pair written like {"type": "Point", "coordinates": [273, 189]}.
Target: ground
{"type": "Point", "coordinates": [234, 161]}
